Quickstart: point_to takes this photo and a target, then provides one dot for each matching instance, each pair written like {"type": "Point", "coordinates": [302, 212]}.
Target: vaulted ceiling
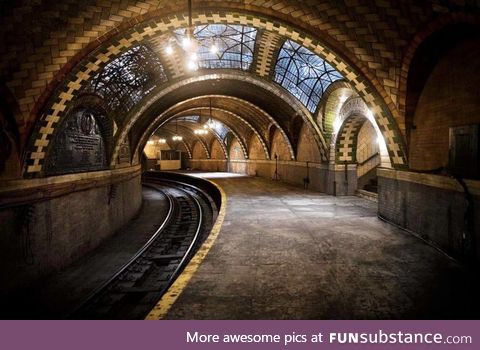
{"type": "Point", "coordinates": [52, 53]}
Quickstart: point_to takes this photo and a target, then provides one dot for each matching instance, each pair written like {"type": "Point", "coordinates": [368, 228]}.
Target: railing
{"type": "Point", "coordinates": [368, 159]}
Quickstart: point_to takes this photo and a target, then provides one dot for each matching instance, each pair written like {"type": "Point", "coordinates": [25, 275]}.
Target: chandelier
{"type": "Point", "coordinates": [189, 45]}
{"type": "Point", "coordinates": [204, 129]}
{"type": "Point", "coordinates": [159, 141]}
{"type": "Point", "coordinates": [176, 137]}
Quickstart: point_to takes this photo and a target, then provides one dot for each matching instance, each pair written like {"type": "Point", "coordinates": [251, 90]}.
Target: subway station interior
{"type": "Point", "coordinates": [240, 159]}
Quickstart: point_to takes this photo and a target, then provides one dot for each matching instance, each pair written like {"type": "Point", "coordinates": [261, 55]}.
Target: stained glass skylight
{"type": "Point", "coordinates": [304, 74]}
{"type": "Point", "coordinates": [223, 45]}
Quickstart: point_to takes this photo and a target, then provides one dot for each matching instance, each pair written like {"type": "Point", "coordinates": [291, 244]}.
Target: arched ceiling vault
{"type": "Point", "coordinates": [236, 123]}
{"type": "Point", "coordinates": [168, 134]}
{"type": "Point", "coordinates": [210, 138]}
{"type": "Point", "coordinates": [236, 91]}
{"type": "Point", "coordinates": [188, 135]}
{"type": "Point", "coordinates": [226, 117]}
{"type": "Point", "coordinates": [253, 116]}
{"type": "Point", "coordinates": [143, 32]}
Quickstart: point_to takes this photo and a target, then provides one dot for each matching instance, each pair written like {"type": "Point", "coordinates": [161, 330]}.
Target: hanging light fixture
{"type": "Point", "coordinates": [210, 123]}
{"type": "Point", "coordinates": [189, 44]}
{"type": "Point", "coordinates": [176, 137]}
{"type": "Point", "coordinates": [162, 141]}
{"type": "Point", "coordinates": [203, 130]}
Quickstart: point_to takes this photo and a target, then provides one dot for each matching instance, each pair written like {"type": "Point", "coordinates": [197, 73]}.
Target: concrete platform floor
{"type": "Point", "coordinates": [284, 253]}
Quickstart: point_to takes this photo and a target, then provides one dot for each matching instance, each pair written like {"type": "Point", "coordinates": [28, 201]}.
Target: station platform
{"type": "Point", "coordinates": [287, 253]}
{"type": "Point", "coordinates": [281, 253]}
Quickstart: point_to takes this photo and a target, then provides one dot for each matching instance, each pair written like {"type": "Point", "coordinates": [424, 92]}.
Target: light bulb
{"type": "Point", "coordinates": [192, 65]}
{"type": "Point", "coordinates": [214, 49]}
{"type": "Point", "coordinates": [336, 125]}
{"type": "Point", "coordinates": [186, 43]}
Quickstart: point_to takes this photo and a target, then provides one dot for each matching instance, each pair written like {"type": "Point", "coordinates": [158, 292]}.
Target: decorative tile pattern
{"type": "Point", "coordinates": [147, 30]}
{"type": "Point", "coordinates": [346, 147]}
{"type": "Point", "coordinates": [268, 43]}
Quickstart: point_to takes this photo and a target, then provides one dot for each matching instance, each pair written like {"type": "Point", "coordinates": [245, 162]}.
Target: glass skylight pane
{"type": "Point", "coordinates": [235, 45]}
{"type": "Point", "coordinates": [128, 78]}
{"type": "Point", "coordinates": [304, 74]}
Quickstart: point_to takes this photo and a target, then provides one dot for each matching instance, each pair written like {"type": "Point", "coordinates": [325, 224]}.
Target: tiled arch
{"type": "Point", "coordinates": [78, 77]}
{"type": "Point", "coordinates": [276, 90]}
{"type": "Point", "coordinates": [346, 144]}
{"type": "Point", "coordinates": [163, 120]}
{"type": "Point", "coordinates": [431, 28]}
{"type": "Point", "coordinates": [220, 141]}
{"type": "Point", "coordinates": [170, 133]}
{"type": "Point", "coordinates": [230, 127]}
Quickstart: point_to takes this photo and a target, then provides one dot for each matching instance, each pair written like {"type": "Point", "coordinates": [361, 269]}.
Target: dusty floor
{"type": "Point", "coordinates": [284, 253]}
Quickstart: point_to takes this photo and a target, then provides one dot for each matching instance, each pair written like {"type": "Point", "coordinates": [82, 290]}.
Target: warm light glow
{"type": "Point", "coordinates": [336, 125]}
{"type": "Point", "coordinates": [177, 138]}
{"type": "Point", "coordinates": [370, 115]}
{"type": "Point", "coordinates": [150, 142]}
{"type": "Point", "coordinates": [186, 43]}
{"type": "Point", "coordinates": [201, 132]}
{"type": "Point", "coordinates": [192, 65]}
{"type": "Point", "coordinates": [214, 49]}
{"type": "Point", "coordinates": [169, 50]}
{"type": "Point", "coordinates": [162, 141]}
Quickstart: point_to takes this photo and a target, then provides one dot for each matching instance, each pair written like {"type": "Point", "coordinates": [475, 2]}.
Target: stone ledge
{"type": "Point", "coordinates": [367, 195]}
{"type": "Point", "coordinates": [272, 161]}
{"type": "Point", "coordinates": [437, 181]}
{"type": "Point", "coordinates": [19, 192]}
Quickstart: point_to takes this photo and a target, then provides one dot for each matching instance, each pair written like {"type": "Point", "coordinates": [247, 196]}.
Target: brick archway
{"type": "Point", "coordinates": [107, 51]}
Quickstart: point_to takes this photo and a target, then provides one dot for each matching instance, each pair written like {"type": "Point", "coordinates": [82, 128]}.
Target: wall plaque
{"type": "Point", "coordinates": [79, 145]}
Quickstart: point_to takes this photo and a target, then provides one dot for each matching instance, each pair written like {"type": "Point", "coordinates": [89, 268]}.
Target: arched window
{"type": "Point", "coordinates": [304, 74]}
{"type": "Point", "coordinates": [223, 45]}
{"type": "Point", "coordinates": [128, 78]}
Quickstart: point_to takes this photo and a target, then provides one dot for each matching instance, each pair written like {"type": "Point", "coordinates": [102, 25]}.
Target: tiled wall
{"type": "Point", "coordinates": [367, 146]}
{"type": "Point", "coordinates": [450, 98]}
{"type": "Point", "coordinates": [431, 206]}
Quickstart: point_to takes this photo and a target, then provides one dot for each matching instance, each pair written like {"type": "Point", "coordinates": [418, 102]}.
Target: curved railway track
{"type": "Point", "coordinates": [139, 284]}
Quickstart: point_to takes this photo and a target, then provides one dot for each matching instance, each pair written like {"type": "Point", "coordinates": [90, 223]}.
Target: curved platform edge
{"type": "Point", "coordinates": [160, 310]}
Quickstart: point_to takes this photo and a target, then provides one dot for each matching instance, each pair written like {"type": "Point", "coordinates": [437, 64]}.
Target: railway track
{"type": "Point", "coordinates": [140, 283]}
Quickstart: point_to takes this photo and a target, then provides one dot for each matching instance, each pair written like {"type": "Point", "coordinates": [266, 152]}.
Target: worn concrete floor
{"type": "Point", "coordinates": [284, 253]}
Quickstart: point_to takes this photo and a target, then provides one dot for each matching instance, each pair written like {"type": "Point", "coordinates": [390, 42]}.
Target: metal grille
{"type": "Point", "coordinates": [234, 45]}
{"type": "Point", "coordinates": [127, 79]}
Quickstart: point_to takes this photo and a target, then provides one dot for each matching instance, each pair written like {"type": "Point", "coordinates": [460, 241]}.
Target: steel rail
{"type": "Point", "coordinates": [169, 222]}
